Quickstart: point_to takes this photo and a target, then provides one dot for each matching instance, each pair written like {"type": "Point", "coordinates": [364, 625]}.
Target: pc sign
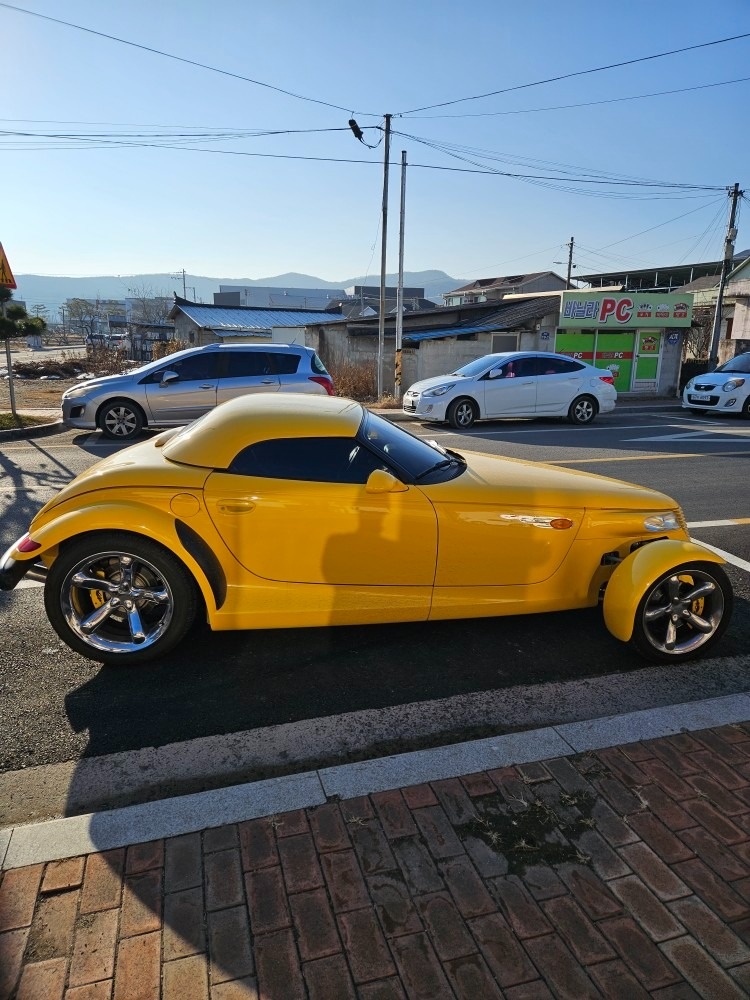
{"type": "Point", "coordinates": [620, 310]}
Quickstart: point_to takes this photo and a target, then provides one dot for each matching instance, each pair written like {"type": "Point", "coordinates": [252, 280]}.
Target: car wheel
{"type": "Point", "coordinates": [121, 420]}
{"type": "Point", "coordinates": [462, 413]}
{"type": "Point", "coordinates": [119, 597]}
{"type": "Point", "coordinates": [583, 410]}
{"type": "Point", "coordinates": [684, 613]}
{"type": "Point", "coordinates": [746, 409]}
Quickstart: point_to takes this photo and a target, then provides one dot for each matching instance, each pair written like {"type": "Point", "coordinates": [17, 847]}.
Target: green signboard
{"type": "Point", "coordinates": [625, 310]}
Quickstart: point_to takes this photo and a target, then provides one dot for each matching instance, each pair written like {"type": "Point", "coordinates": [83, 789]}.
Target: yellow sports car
{"type": "Point", "coordinates": [280, 510]}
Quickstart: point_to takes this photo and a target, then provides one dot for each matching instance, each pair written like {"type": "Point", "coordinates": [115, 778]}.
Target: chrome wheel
{"type": "Point", "coordinates": [684, 612]}
{"type": "Point", "coordinates": [120, 597]}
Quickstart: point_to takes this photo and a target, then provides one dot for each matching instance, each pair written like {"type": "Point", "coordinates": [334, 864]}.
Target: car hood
{"type": "Point", "coordinates": [516, 482]}
{"type": "Point", "coordinates": [430, 383]}
{"type": "Point", "coordinates": [141, 466]}
{"type": "Point", "coordinates": [111, 381]}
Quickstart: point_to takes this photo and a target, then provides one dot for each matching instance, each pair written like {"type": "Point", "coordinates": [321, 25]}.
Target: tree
{"type": "Point", "coordinates": [15, 322]}
{"type": "Point", "coordinates": [697, 339]}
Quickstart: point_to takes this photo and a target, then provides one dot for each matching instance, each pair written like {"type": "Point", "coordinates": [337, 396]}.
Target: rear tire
{"type": "Point", "coordinates": [121, 420]}
{"type": "Point", "coordinates": [583, 410]}
{"type": "Point", "coordinates": [462, 413]}
{"type": "Point", "coordinates": [118, 597]}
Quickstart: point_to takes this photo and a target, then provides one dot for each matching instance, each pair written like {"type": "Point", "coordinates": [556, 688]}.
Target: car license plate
{"type": "Point", "coordinates": [700, 397]}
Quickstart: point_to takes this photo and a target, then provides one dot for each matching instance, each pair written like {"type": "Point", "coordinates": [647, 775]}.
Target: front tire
{"type": "Point", "coordinates": [119, 597]}
{"type": "Point", "coordinates": [121, 420]}
{"type": "Point", "coordinates": [462, 414]}
{"type": "Point", "coordinates": [684, 613]}
{"type": "Point", "coordinates": [583, 410]}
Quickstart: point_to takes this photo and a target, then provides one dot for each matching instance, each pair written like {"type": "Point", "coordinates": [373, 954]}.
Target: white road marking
{"type": "Point", "coordinates": [734, 560]}
{"type": "Point", "coordinates": [26, 584]}
{"type": "Point", "coordinates": [719, 524]}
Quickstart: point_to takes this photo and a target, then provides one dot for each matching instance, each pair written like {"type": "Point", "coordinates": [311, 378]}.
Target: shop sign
{"type": "Point", "coordinates": [587, 310]}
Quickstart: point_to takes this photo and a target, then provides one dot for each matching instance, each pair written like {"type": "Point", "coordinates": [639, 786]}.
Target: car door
{"type": "Point", "coordinates": [558, 381]}
{"type": "Point", "coordinates": [297, 510]}
{"type": "Point", "coordinates": [191, 394]}
{"type": "Point", "coordinates": [245, 371]}
{"type": "Point", "coordinates": [510, 388]}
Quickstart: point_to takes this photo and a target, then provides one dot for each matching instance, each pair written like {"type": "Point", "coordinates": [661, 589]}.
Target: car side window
{"type": "Point", "coordinates": [246, 364]}
{"type": "Point", "coordinates": [319, 460]}
{"type": "Point", "coordinates": [196, 368]}
{"type": "Point", "coordinates": [284, 363]}
{"type": "Point", "coordinates": [556, 366]}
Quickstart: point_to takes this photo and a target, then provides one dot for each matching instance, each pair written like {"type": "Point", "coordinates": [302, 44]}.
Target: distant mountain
{"type": "Point", "coordinates": [39, 289]}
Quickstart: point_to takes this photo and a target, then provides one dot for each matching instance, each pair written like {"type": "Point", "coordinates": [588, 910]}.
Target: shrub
{"type": "Point", "coordinates": [355, 380]}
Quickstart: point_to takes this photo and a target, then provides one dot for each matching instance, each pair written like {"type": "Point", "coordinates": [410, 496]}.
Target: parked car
{"type": "Point", "coordinates": [515, 384]}
{"type": "Point", "coordinates": [281, 510]}
{"type": "Point", "coordinates": [725, 390]}
{"type": "Point", "coordinates": [185, 385]}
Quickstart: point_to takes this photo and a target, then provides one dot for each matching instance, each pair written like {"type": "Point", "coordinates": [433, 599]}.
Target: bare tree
{"type": "Point", "coordinates": [697, 340]}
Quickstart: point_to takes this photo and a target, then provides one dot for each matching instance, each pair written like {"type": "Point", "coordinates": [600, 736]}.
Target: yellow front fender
{"type": "Point", "coordinates": [141, 519]}
{"type": "Point", "coordinates": [638, 571]}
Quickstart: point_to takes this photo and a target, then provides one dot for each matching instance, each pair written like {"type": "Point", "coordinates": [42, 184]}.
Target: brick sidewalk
{"type": "Point", "coordinates": [618, 874]}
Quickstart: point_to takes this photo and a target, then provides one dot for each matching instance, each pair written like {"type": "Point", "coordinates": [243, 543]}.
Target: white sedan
{"type": "Point", "coordinates": [517, 384]}
{"type": "Point", "coordinates": [726, 390]}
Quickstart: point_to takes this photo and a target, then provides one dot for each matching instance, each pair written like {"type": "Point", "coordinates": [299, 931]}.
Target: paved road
{"type": "Point", "coordinates": [56, 706]}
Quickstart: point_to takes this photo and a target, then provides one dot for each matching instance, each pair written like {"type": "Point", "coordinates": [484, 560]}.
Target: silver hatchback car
{"type": "Point", "coordinates": [185, 385]}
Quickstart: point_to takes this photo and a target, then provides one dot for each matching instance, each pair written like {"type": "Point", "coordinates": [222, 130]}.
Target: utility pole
{"type": "Point", "coordinates": [400, 289]}
{"type": "Point", "coordinates": [383, 254]}
{"type": "Point", "coordinates": [726, 266]}
{"type": "Point", "coordinates": [570, 259]}
{"type": "Point", "coordinates": [571, 265]}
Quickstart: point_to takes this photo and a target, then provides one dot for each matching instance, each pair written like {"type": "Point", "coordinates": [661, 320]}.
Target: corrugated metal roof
{"type": "Point", "coordinates": [240, 320]}
{"type": "Point", "coordinates": [504, 319]}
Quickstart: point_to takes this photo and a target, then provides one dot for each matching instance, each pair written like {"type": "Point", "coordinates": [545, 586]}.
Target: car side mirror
{"type": "Point", "coordinates": [380, 481]}
{"type": "Point", "coordinates": [168, 377]}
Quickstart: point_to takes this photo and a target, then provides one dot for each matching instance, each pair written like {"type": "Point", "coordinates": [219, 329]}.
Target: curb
{"type": "Point", "coordinates": [38, 431]}
{"type": "Point", "coordinates": [66, 837]}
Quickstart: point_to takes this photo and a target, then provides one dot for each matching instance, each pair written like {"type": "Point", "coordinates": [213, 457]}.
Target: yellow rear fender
{"type": "Point", "coordinates": [139, 519]}
{"type": "Point", "coordinates": [635, 574]}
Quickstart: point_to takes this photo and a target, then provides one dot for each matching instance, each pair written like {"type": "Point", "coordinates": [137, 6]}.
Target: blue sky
{"type": "Point", "coordinates": [131, 209]}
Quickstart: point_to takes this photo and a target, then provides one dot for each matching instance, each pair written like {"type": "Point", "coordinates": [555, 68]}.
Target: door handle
{"type": "Point", "coordinates": [268, 381]}
{"type": "Point", "coordinates": [236, 506]}
{"type": "Point", "coordinates": [206, 386]}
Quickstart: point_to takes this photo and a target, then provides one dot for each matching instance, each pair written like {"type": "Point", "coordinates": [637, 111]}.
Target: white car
{"type": "Point", "coordinates": [517, 384]}
{"type": "Point", "coordinates": [726, 390]}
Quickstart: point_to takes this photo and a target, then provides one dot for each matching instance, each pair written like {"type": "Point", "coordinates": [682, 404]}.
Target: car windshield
{"type": "Point", "coordinates": [480, 365]}
{"type": "Point", "coordinates": [417, 459]}
{"type": "Point", "coordinates": [740, 364]}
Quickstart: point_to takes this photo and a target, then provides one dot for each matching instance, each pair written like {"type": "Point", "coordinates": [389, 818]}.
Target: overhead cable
{"type": "Point", "coordinates": [171, 55]}
{"type": "Point", "coordinates": [580, 72]}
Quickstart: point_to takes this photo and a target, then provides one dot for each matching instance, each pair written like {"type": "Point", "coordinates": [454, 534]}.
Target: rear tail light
{"type": "Point", "coordinates": [609, 379]}
{"type": "Point", "coordinates": [325, 380]}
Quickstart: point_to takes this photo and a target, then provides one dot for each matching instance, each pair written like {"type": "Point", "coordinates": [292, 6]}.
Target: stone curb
{"type": "Point", "coordinates": [38, 431]}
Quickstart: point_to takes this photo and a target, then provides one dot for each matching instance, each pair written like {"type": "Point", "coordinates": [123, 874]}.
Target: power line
{"type": "Point", "coordinates": [580, 72]}
{"type": "Point", "coordinates": [584, 104]}
{"type": "Point", "coordinates": [176, 58]}
{"type": "Point", "coordinates": [592, 178]}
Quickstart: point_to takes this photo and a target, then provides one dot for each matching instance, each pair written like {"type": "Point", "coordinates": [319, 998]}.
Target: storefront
{"type": "Point", "coordinates": [636, 336]}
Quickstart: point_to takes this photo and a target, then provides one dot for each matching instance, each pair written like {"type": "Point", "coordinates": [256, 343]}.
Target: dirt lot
{"type": "Point", "coordinates": [33, 394]}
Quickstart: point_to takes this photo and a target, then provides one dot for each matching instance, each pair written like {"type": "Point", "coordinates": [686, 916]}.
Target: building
{"type": "Point", "coordinates": [267, 297]}
{"type": "Point", "coordinates": [666, 278]}
{"type": "Point", "coordinates": [197, 325]}
{"type": "Point", "coordinates": [637, 336]}
{"type": "Point", "coordinates": [734, 336]}
{"type": "Point", "coordinates": [494, 289]}
{"type": "Point", "coordinates": [436, 340]}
